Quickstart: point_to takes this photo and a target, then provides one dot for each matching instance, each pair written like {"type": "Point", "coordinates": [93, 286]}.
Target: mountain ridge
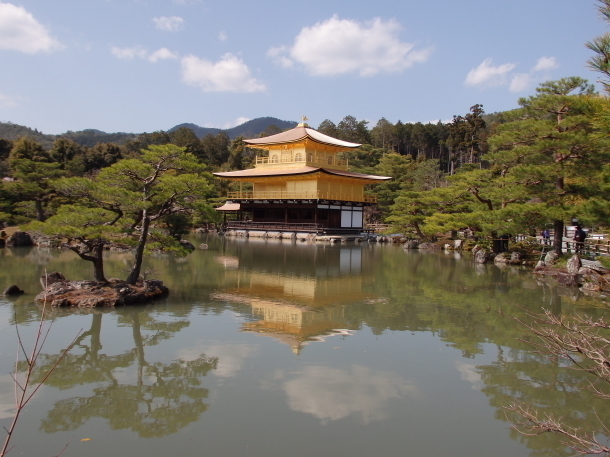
{"type": "Point", "coordinates": [90, 137]}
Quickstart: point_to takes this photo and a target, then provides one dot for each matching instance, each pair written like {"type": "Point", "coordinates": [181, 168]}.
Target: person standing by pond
{"type": "Point", "coordinates": [546, 237]}
{"type": "Point", "coordinates": [579, 237]}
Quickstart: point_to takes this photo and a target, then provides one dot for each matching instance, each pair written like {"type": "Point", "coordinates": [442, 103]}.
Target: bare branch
{"type": "Point", "coordinates": [535, 424]}
{"type": "Point", "coordinates": [580, 340]}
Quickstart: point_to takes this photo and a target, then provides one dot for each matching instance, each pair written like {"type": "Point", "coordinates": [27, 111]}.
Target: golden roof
{"type": "Point", "coordinates": [261, 172]}
{"type": "Point", "coordinates": [300, 133]}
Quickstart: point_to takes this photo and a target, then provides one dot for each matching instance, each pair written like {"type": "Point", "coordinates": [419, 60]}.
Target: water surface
{"type": "Point", "coordinates": [275, 348]}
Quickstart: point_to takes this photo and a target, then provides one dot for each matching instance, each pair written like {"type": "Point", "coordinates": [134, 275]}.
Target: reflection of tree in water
{"type": "Point", "coordinates": [432, 293]}
{"type": "Point", "coordinates": [535, 379]}
{"type": "Point", "coordinates": [158, 398]}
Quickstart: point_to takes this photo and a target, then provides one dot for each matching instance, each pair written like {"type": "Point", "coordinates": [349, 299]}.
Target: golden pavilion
{"type": "Point", "coordinates": [302, 185]}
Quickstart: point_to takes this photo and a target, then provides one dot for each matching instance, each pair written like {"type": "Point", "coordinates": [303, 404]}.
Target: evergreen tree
{"type": "Point", "coordinates": [64, 150]}
{"type": "Point", "coordinates": [33, 171]}
{"type": "Point", "coordinates": [215, 149]}
{"type": "Point", "coordinates": [123, 202]}
{"type": "Point", "coordinates": [382, 134]}
{"type": "Point", "coordinates": [541, 163]}
{"type": "Point", "coordinates": [350, 129]}
{"type": "Point", "coordinates": [548, 148]}
{"type": "Point", "coordinates": [164, 180]}
{"type": "Point", "coordinates": [328, 127]}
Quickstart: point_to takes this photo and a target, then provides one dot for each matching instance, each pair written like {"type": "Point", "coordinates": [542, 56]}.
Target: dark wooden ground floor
{"type": "Point", "coordinates": [306, 216]}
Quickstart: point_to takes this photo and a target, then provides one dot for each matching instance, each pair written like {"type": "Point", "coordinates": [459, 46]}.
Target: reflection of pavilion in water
{"type": "Point", "coordinates": [298, 293]}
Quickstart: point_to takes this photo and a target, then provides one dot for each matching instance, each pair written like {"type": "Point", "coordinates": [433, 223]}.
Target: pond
{"type": "Point", "coordinates": [274, 348]}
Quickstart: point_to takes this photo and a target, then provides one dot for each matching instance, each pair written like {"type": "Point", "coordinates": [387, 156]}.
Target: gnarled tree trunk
{"type": "Point", "coordinates": [134, 275]}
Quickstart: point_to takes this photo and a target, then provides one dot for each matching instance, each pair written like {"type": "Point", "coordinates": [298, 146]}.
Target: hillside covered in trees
{"type": "Point", "coordinates": [501, 173]}
{"type": "Point", "coordinates": [91, 137]}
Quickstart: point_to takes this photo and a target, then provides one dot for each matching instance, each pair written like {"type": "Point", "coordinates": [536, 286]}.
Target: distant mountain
{"type": "Point", "coordinates": [90, 137]}
{"type": "Point", "coordinates": [199, 131]}
{"type": "Point", "coordinates": [248, 129]}
{"type": "Point", "coordinates": [257, 126]}
{"type": "Point", "coordinates": [10, 131]}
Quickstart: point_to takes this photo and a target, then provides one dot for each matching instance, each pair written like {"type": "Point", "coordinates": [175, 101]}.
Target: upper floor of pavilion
{"type": "Point", "coordinates": [301, 146]}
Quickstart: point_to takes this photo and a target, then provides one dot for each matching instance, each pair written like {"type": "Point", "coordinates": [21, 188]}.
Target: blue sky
{"type": "Point", "coordinates": [146, 65]}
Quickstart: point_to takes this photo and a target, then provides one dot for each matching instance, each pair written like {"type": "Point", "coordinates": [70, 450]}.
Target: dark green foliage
{"type": "Point", "coordinates": [329, 128]}
{"type": "Point", "coordinates": [27, 148]}
{"type": "Point", "coordinates": [5, 148]}
{"type": "Point", "coordinates": [102, 155]}
{"type": "Point", "coordinates": [186, 138]}
{"type": "Point", "coordinates": [465, 140]}
{"type": "Point", "coordinates": [65, 151]}
{"type": "Point", "coordinates": [364, 158]}
{"type": "Point", "coordinates": [199, 131]}
{"type": "Point", "coordinates": [33, 171]}
{"type": "Point", "coordinates": [90, 137]}
{"type": "Point", "coordinates": [165, 185]}
{"type": "Point", "coordinates": [177, 224]}
{"type": "Point", "coordinates": [164, 180]}
{"type": "Point", "coordinates": [401, 169]}
{"type": "Point", "coordinates": [240, 157]}
{"type": "Point", "coordinates": [382, 134]}
{"type": "Point", "coordinates": [215, 149]}
{"type": "Point", "coordinates": [542, 167]}
{"type": "Point", "coordinates": [271, 130]}
{"type": "Point", "coordinates": [350, 129]}
{"type": "Point", "coordinates": [147, 139]}
{"type": "Point", "coordinates": [11, 131]}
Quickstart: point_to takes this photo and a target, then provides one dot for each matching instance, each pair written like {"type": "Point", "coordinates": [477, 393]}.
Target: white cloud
{"type": "Point", "coordinates": [129, 53]}
{"type": "Point", "coordinates": [222, 36]}
{"type": "Point", "coordinates": [162, 54]}
{"type": "Point", "coordinates": [140, 52]}
{"type": "Point", "coordinates": [338, 46]}
{"type": "Point", "coordinates": [20, 31]}
{"type": "Point", "coordinates": [523, 81]}
{"type": "Point", "coordinates": [169, 24]}
{"type": "Point", "coordinates": [239, 121]}
{"type": "Point", "coordinates": [332, 394]}
{"type": "Point", "coordinates": [488, 75]}
{"type": "Point", "coordinates": [277, 54]}
{"type": "Point", "coordinates": [227, 261]}
{"type": "Point", "coordinates": [229, 74]}
{"type": "Point", "coordinates": [520, 82]}
{"type": "Point", "coordinates": [545, 64]}
{"type": "Point", "coordinates": [7, 101]}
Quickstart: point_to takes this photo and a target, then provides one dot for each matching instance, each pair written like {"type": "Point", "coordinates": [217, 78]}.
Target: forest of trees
{"type": "Point", "coordinates": [502, 173]}
{"type": "Point", "coordinates": [28, 168]}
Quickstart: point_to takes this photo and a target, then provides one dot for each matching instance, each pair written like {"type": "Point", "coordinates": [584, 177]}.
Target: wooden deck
{"type": "Point", "coordinates": [318, 229]}
{"type": "Point", "coordinates": [302, 195]}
